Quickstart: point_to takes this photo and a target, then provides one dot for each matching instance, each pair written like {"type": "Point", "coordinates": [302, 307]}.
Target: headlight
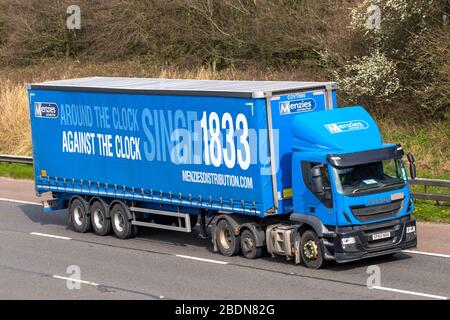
{"type": "Point", "coordinates": [408, 229]}
{"type": "Point", "coordinates": [349, 240]}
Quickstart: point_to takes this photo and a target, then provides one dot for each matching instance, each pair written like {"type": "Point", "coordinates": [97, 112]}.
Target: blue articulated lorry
{"type": "Point", "coordinates": [260, 166]}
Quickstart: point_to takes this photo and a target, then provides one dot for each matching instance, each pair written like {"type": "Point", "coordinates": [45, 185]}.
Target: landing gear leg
{"type": "Point", "coordinates": [203, 232]}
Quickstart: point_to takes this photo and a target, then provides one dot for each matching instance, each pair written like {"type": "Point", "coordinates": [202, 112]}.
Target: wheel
{"type": "Point", "coordinates": [100, 222]}
{"type": "Point", "coordinates": [122, 227]}
{"type": "Point", "coordinates": [80, 220]}
{"type": "Point", "coordinates": [79, 217]}
{"type": "Point", "coordinates": [311, 250]}
{"type": "Point", "coordinates": [248, 245]}
{"type": "Point", "coordinates": [227, 241]}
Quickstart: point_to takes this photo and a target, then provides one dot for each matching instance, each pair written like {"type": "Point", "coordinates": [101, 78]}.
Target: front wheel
{"type": "Point", "coordinates": [312, 250]}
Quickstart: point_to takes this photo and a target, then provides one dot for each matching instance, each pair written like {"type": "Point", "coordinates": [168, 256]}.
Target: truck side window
{"type": "Point", "coordinates": [307, 178]}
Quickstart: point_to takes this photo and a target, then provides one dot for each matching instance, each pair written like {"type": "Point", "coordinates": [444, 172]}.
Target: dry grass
{"type": "Point", "coordinates": [14, 114]}
{"type": "Point", "coordinates": [428, 141]}
{"type": "Point", "coordinates": [14, 110]}
{"type": "Point", "coordinates": [14, 119]}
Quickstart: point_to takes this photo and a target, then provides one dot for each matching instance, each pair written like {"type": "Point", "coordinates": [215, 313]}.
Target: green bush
{"type": "Point", "coordinates": [373, 76]}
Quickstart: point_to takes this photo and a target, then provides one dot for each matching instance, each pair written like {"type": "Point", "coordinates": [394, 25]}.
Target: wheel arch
{"type": "Point", "coordinates": [234, 224]}
{"type": "Point", "coordinates": [79, 197]}
{"type": "Point", "coordinates": [241, 223]}
{"type": "Point", "coordinates": [125, 207]}
{"type": "Point", "coordinates": [83, 201]}
{"type": "Point", "coordinates": [258, 232]}
{"type": "Point", "coordinates": [105, 205]}
{"type": "Point", "coordinates": [308, 222]}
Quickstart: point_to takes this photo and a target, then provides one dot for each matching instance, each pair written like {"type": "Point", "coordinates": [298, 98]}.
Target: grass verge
{"type": "Point", "coordinates": [430, 212]}
{"type": "Point", "coordinates": [426, 210]}
{"type": "Point", "coordinates": [16, 171]}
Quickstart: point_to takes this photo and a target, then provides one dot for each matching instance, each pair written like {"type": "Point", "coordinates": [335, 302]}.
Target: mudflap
{"type": "Point", "coordinates": [53, 205]}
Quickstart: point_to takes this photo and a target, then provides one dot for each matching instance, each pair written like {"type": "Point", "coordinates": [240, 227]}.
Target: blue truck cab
{"type": "Point", "coordinates": [350, 185]}
{"type": "Point", "coordinates": [273, 165]}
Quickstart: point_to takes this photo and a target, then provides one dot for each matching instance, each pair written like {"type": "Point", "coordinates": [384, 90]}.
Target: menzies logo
{"type": "Point", "coordinates": [352, 125]}
{"type": "Point", "coordinates": [46, 110]}
{"type": "Point", "coordinates": [296, 106]}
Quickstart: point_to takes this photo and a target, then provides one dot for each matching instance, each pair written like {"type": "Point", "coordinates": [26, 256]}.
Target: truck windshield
{"type": "Point", "coordinates": [370, 176]}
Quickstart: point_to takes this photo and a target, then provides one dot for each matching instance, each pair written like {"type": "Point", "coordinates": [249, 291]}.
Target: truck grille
{"type": "Point", "coordinates": [381, 211]}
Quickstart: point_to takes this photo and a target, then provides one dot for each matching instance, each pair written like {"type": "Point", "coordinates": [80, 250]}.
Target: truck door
{"type": "Point", "coordinates": [310, 202]}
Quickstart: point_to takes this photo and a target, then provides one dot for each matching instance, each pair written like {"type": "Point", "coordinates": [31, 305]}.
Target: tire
{"type": "Point", "coordinates": [248, 245]}
{"type": "Point", "coordinates": [121, 225]}
{"type": "Point", "coordinates": [227, 242]}
{"type": "Point", "coordinates": [100, 222]}
{"type": "Point", "coordinates": [79, 217]}
{"type": "Point", "coordinates": [311, 250]}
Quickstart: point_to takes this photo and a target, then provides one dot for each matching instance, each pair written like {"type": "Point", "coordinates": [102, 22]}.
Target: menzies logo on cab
{"type": "Point", "coordinates": [46, 110]}
{"type": "Point", "coordinates": [345, 126]}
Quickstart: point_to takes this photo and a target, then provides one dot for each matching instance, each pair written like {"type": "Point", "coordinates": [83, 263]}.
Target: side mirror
{"type": "Point", "coordinates": [412, 165]}
{"type": "Point", "coordinates": [317, 182]}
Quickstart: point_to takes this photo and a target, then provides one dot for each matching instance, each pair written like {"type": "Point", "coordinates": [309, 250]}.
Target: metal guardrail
{"type": "Point", "coordinates": [15, 159]}
{"type": "Point", "coordinates": [431, 183]}
{"type": "Point", "coordinates": [418, 181]}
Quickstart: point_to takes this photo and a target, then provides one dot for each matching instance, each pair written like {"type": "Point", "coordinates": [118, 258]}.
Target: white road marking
{"type": "Point", "coordinates": [426, 295]}
{"type": "Point", "coordinates": [201, 259]}
{"type": "Point", "coordinates": [440, 255]}
{"type": "Point", "coordinates": [49, 236]}
{"type": "Point", "coordinates": [20, 201]}
{"type": "Point", "coordinates": [76, 280]}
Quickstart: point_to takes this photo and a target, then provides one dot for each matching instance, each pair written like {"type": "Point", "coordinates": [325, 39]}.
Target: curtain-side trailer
{"type": "Point", "coordinates": [255, 157]}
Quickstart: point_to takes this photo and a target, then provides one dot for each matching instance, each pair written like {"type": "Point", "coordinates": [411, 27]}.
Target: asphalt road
{"type": "Point", "coordinates": [161, 264]}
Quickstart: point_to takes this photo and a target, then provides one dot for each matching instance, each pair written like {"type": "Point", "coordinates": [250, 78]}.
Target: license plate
{"type": "Point", "coordinates": [379, 236]}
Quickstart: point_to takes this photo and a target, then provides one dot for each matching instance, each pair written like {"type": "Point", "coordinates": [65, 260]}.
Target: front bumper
{"type": "Point", "coordinates": [365, 246]}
